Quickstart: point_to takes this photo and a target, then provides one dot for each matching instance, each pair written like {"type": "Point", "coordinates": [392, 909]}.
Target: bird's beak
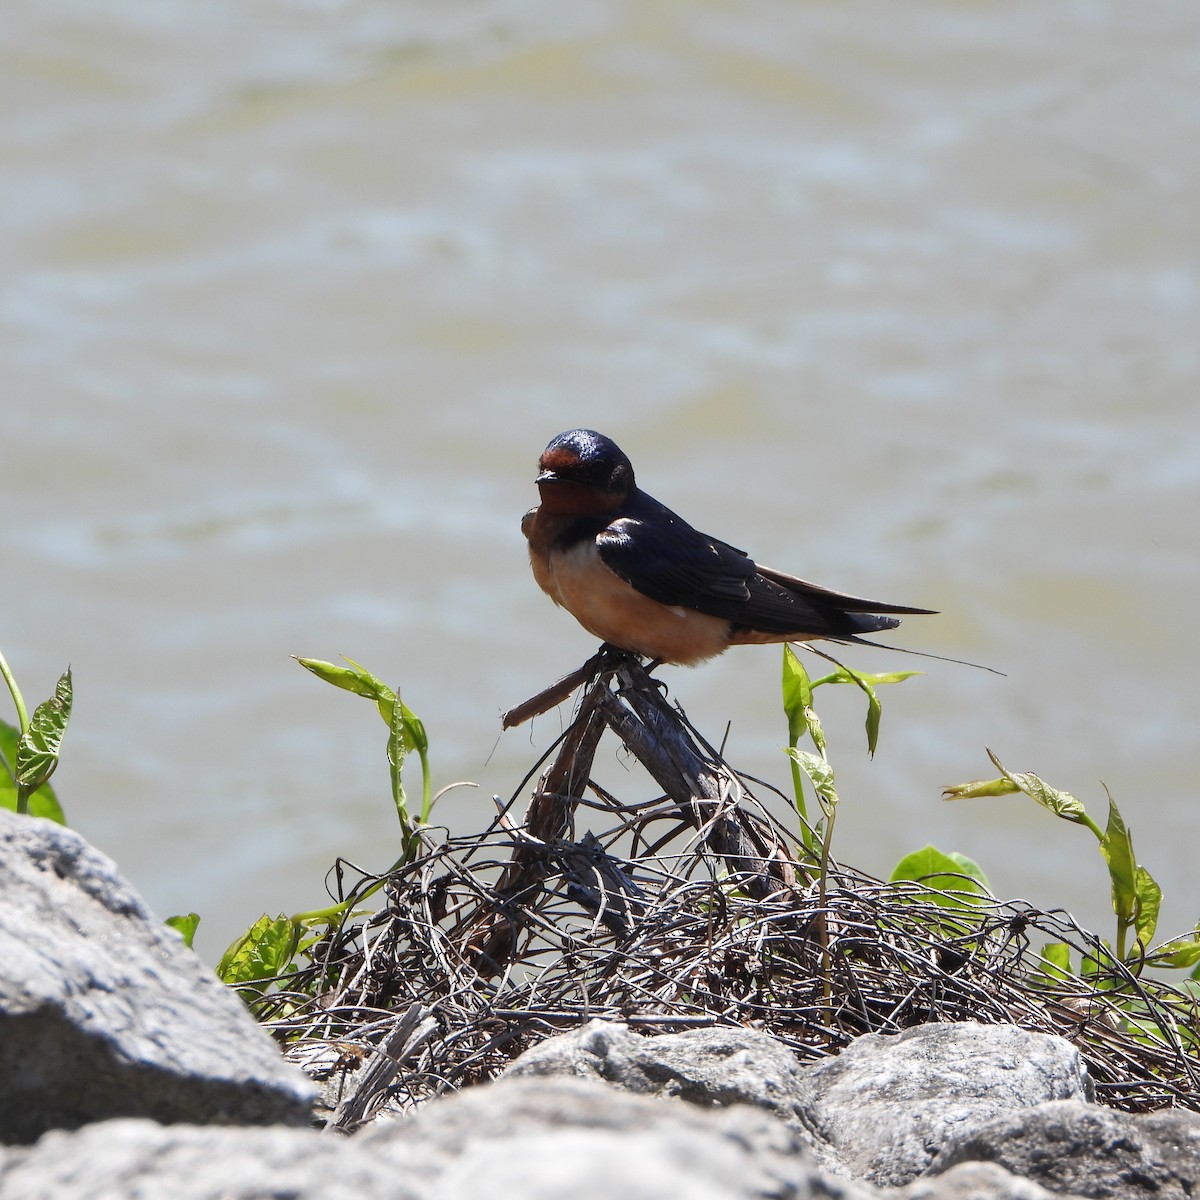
{"type": "Point", "coordinates": [546, 477]}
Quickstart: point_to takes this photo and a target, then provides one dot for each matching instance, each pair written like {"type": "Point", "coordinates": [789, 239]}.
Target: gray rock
{"type": "Point", "coordinates": [976, 1181]}
{"type": "Point", "coordinates": [1067, 1146]}
{"type": "Point", "coordinates": [543, 1139]}
{"type": "Point", "coordinates": [541, 1135]}
{"type": "Point", "coordinates": [713, 1067]}
{"type": "Point", "coordinates": [119, 1160]}
{"type": "Point", "coordinates": [104, 1012]}
{"type": "Point", "coordinates": [535, 1139]}
{"type": "Point", "coordinates": [888, 1103]}
{"type": "Point", "coordinates": [880, 1111]}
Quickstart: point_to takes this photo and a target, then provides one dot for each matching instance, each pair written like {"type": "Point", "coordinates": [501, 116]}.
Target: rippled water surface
{"type": "Point", "coordinates": [905, 299]}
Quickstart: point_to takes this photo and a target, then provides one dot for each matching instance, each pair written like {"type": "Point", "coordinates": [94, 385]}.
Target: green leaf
{"type": "Point", "coordinates": [816, 731]}
{"type": "Point", "coordinates": [1149, 899]}
{"type": "Point", "coordinates": [1099, 964]}
{"type": "Point", "coordinates": [1117, 848]}
{"type": "Point", "coordinates": [944, 873]}
{"type": "Point", "coordinates": [397, 750]}
{"type": "Point", "coordinates": [797, 707]}
{"type": "Point", "coordinates": [1061, 804]}
{"type": "Point", "coordinates": [979, 787]}
{"type": "Point", "coordinates": [874, 716]}
{"type": "Point", "coordinates": [921, 864]}
{"type": "Point", "coordinates": [186, 926]}
{"type": "Point", "coordinates": [867, 683]}
{"type": "Point", "coordinates": [846, 675]}
{"type": "Point", "coordinates": [38, 750]}
{"type": "Point", "coordinates": [1179, 953]}
{"type": "Point", "coordinates": [968, 866]}
{"type": "Point", "coordinates": [262, 952]}
{"type": "Point", "coordinates": [874, 708]}
{"type": "Point", "coordinates": [890, 677]}
{"type": "Point", "coordinates": [1136, 898]}
{"type": "Point", "coordinates": [406, 735]}
{"type": "Point", "coordinates": [1055, 961]}
{"type": "Point", "coordinates": [414, 730]}
{"type": "Point", "coordinates": [406, 731]}
{"type": "Point", "coordinates": [354, 678]}
{"type": "Point", "coordinates": [821, 774]}
{"type": "Point", "coordinates": [43, 802]}
{"type": "Point", "coordinates": [797, 695]}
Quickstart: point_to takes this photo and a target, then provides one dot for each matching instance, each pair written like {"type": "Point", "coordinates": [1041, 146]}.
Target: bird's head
{"type": "Point", "coordinates": [582, 472]}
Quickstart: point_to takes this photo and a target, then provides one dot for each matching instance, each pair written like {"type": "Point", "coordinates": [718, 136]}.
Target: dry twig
{"type": "Point", "coordinates": [695, 907]}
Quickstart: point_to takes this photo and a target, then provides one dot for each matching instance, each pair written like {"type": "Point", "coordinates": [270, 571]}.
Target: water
{"type": "Point", "coordinates": [293, 295]}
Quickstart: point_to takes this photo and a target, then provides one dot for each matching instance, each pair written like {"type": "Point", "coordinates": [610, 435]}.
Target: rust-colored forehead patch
{"type": "Point", "coordinates": [559, 459]}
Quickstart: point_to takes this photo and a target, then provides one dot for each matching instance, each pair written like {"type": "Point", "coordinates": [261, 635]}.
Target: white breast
{"type": "Point", "coordinates": [608, 607]}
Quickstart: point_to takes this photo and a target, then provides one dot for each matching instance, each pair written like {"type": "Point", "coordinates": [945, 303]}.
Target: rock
{"type": "Point", "coordinates": [711, 1068]}
{"type": "Point", "coordinates": [881, 1111]}
{"type": "Point", "coordinates": [1087, 1150]}
{"type": "Point", "coordinates": [552, 1128]}
{"type": "Point", "coordinates": [888, 1103]}
{"type": "Point", "coordinates": [116, 1160]}
{"type": "Point", "coordinates": [976, 1181]}
{"type": "Point", "coordinates": [537, 1139]}
{"type": "Point", "coordinates": [104, 1012]}
{"type": "Point", "coordinates": [543, 1139]}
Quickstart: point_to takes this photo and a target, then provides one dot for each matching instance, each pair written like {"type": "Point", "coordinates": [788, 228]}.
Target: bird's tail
{"type": "Point", "coordinates": [860, 641]}
{"type": "Point", "coordinates": [860, 615]}
{"type": "Point", "coordinates": [847, 603]}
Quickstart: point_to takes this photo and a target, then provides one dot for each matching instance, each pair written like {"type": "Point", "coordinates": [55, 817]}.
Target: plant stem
{"type": "Point", "coordinates": [806, 831]}
{"type": "Point", "coordinates": [15, 692]}
{"type": "Point", "coordinates": [330, 914]}
{"type": "Point", "coordinates": [426, 789]}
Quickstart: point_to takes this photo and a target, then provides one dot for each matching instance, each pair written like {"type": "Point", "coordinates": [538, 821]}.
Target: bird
{"type": "Point", "coordinates": [639, 577]}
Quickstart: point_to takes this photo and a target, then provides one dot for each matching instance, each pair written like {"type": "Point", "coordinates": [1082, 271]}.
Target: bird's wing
{"type": "Point", "coordinates": [844, 601]}
{"type": "Point", "coordinates": [665, 558]}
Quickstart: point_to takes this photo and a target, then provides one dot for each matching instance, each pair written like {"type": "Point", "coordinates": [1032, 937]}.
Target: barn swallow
{"type": "Point", "coordinates": [640, 578]}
